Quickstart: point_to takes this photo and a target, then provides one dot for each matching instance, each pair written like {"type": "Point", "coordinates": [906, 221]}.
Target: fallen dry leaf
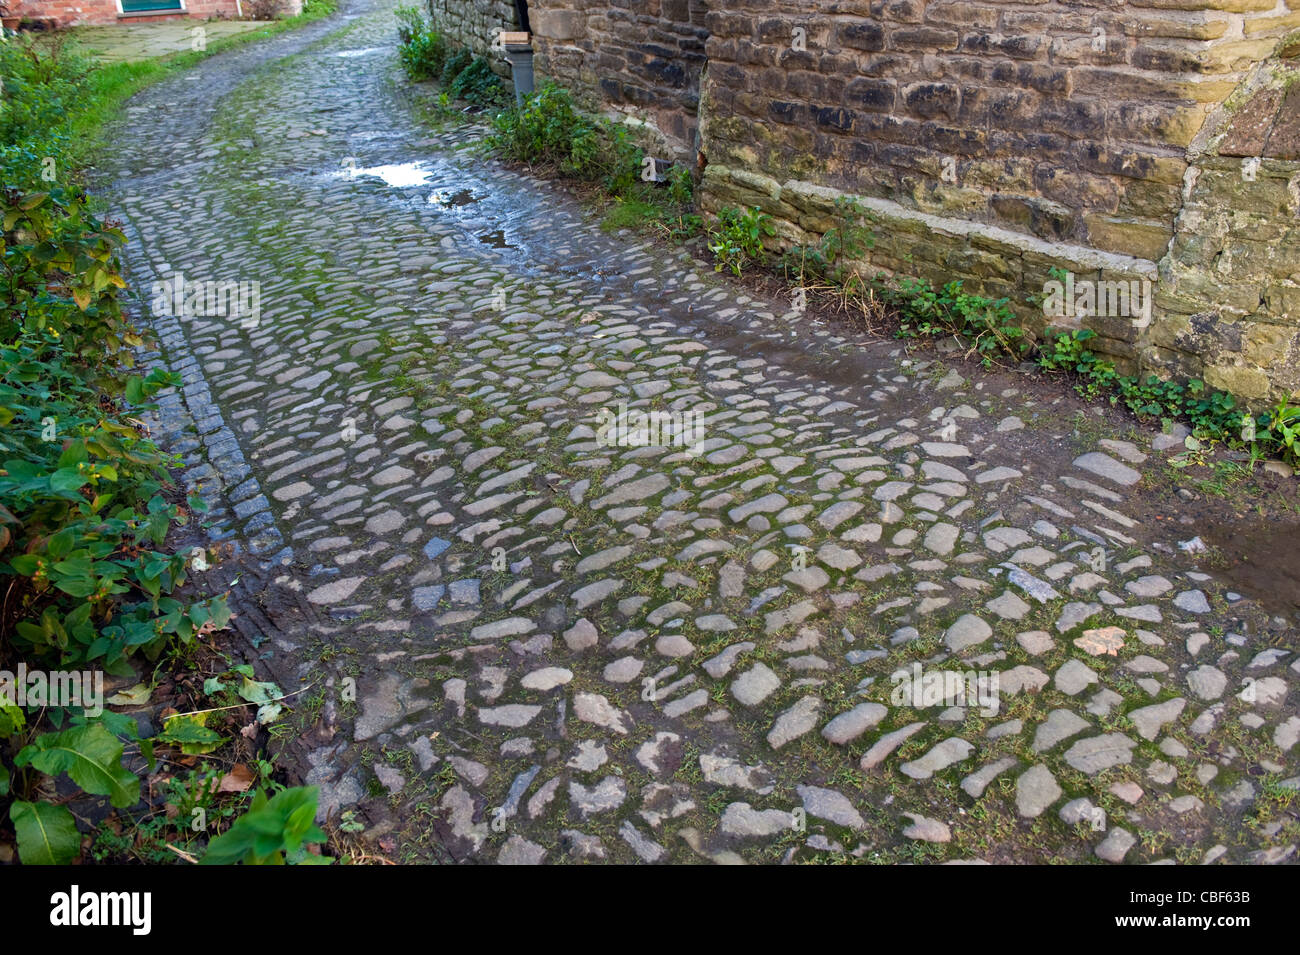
{"type": "Point", "coordinates": [1107, 640]}
{"type": "Point", "coordinates": [238, 780]}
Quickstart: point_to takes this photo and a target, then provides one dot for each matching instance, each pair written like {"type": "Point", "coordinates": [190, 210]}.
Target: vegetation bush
{"type": "Point", "coordinates": [426, 55]}
{"type": "Point", "coordinates": [550, 130]}
{"type": "Point", "coordinates": [422, 49]}
{"type": "Point", "coordinates": [736, 240]}
{"type": "Point", "coordinates": [477, 84]}
{"type": "Point", "coordinates": [86, 506]}
{"type": "Point", "coordinates": [43, 80]}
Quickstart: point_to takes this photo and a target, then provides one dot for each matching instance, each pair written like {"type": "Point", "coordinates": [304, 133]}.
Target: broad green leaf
{"type": "Point", "coordinates": [67, 479]}
{"type": "Point", "coordinates": [47, 835]}
{"type": "Point", "coordinates": [134, 392]}
{"type": "Point", "coordinates": [25, 564]}
{"type": "Point", "coordinates": [255, 692]}
{"type": "Point", "coordinates": [269, 830]}
{"type": "Point", "coordinates": [92, 758]}
{"type": "Point", "coordinates": [60, 545]}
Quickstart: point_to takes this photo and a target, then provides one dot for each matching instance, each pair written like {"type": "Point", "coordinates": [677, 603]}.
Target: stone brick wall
{"type": "Point", "coordinates": [1228, 299]}
{"type": "Point", "coordinates": [641, 58]}
{"type": "Point", "coordinates": [1068, 123]}
{"type": "Point", "coordinates": [475, 24]}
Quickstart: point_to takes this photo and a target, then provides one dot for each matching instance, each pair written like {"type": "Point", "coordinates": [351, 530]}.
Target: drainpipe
{"type": "Point", "coordinates": [519, 53]}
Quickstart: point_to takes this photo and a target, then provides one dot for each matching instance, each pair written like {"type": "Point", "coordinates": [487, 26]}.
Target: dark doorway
{"type": "Point", "coordinates": [521, 15]}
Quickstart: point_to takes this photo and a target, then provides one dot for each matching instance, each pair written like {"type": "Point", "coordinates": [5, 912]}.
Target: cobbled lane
{"type": "Point", "coordinates": [732, 648]}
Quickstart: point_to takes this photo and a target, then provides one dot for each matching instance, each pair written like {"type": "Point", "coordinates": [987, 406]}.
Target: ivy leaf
{"type": "Point", "coordinates": [92, 758]}
{"type": "Point", "coordinates": [47, 835]}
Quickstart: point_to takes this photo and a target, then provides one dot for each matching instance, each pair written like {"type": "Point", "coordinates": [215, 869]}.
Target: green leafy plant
{"type": "Point", "coordinates": [987, 325]}
{"type": "Point", "coordinates": [84, 518]}
{"type": "Point", "coordinates": [274, 831]}
{"type": "Point", "coordinates": [91, 756]}
{"type": "Point", "coordinates": [1283, 428]}
{"type": "Point", "coordinates": [549, 130]}
{"type": "Point", "coordinates": [736, 240]}
{"type": "Point", "coordinates": [1214, 416]}
{"type": "Point", "coordinates": [829, 260]}
{"type": "Point", "coordinates": [456, 61]}
{"type": "Point", "coordinates": [477, 84]}
{"type": "Point", "coordinates": [665, 208]}
{"type": "Point", "coordinates": [43, 79]}
{"type": "Point", "coordinates": [422, 49]}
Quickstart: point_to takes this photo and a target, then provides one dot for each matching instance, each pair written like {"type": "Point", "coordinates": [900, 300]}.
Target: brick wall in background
{"type": "Point", "coordinates": [74, 12]}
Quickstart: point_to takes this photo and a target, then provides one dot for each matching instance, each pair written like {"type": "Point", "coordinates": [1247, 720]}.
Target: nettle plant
{"type": "Point", "coordinates": [85, 514]}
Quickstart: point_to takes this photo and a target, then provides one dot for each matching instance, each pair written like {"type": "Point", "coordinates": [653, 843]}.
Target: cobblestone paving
{"type": "Point", "coordinates": [565, 650]}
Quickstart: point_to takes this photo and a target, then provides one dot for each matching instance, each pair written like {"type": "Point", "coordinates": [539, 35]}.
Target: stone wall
{"type": "Point", "coordinates": [641, 58]}
{"type": "Point", "coordinates": [1228, 299]}
{"type": "Point", "coordinates": [475, 24]}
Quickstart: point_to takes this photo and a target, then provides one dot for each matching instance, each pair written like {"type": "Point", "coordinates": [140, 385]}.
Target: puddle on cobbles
{"type": "Point", "coordinates": [363, 52]}
{"type": "Point", "coordinates": [401, 175]}
{"type": "Point", "coordinates": [496, 240]}
{"type": "Point", "coordinates": [451, 200]}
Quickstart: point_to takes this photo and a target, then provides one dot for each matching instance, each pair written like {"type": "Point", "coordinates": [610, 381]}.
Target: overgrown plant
{"type": "Point", "coordinates": [987, 325]}
{"type": "Point", "coordinates": [830, 260]}
{"type": "Point", "coordinates": [736, 240]}
{"type": "Point", "coordinates": [476, 83]}
{"type": "Point", "coordinates": [666, 207]}
{"type": "Point", "coordinates": [275, 831]}
{"type": "Point", "coordinates": [87, 575]}
{"type": "Point", "coordinates": [549, 130]}
{"type": "Point", "coordinates": [1214, 416]}
{"type": "Point", "coordinates": [422, 49]}
{"type": "Point", "coordinates": [42, 79]}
